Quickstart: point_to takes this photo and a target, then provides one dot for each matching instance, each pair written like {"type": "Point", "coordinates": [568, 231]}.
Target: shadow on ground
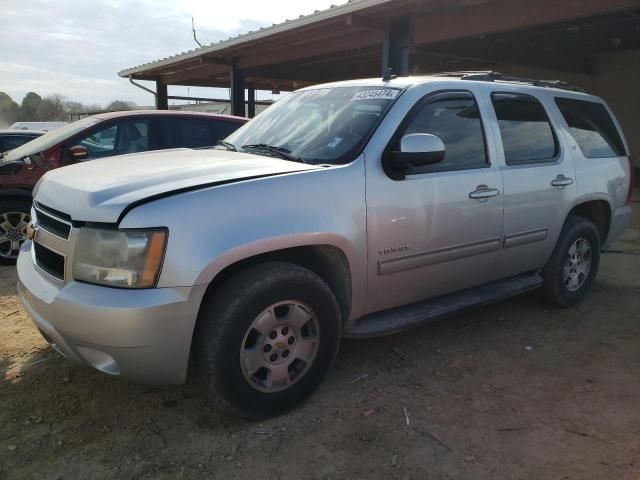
{"type": "Point", "coordinates": [512, 390]}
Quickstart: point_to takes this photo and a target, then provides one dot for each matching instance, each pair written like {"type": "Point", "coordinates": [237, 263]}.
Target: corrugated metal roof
{"type": "Point", "coordinates": [334, 11]}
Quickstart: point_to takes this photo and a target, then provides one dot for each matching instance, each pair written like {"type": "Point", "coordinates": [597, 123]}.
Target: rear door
{"type": "Point", "coordinates": [538, 176]}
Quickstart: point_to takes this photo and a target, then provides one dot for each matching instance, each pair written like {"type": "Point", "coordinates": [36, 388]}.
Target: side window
{"type": "Point", "coordinates": [527, 134]}
{"type": "Point", "coordinates": [592, 127]}
{"type": "Point", "coordinates": [455, 118]}
{"type": "Point", "coordinates": [130, 136]}
{"type": "Point", "coordinates": [100, 143]}
{"type": "Point", "coordinates": [184, 132]}
{"type": "Point", "coordinates": [13, 141]}
{"type": "Point", "coordinates": [197, 133]}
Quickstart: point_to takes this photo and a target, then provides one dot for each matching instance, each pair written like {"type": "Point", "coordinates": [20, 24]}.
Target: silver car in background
{"type": "Point", "coordinates": [351, 209]}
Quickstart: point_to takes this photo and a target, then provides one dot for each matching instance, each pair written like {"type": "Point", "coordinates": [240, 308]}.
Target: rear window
{"type": "Point", "coordinates": [527, 135]}
{"type": "Point", "coordinates": [592, 127]}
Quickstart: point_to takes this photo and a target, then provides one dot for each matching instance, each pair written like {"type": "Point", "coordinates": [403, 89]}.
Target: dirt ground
{"type": "Point", "coordinates": [515, 390]}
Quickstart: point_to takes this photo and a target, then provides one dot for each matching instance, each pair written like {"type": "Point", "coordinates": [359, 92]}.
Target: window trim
{"type": "Point", "coordinates": [556, 140]}
{"type": "Point", "coordinates": [411, 115]}
{"type": "Point", "coordinates": [612, 119]}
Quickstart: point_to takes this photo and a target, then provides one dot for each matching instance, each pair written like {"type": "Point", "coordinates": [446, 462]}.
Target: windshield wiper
{"type": "Point", "coordinates": [280, 151]}
{"type": "Point", "coordinates": [227, 145]}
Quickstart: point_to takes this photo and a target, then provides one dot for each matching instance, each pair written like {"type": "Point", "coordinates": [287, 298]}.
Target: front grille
{"type": "Point", "coordinates": [53, 225]}
{"type": "Point", "coordinates": [49, 261]}
{"type": "Point", "coordinates": [53, 212]}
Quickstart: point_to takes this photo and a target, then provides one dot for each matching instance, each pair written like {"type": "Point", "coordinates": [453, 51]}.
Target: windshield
{"type": "Point", "coordinates": [324, 125]}
{"type": "Point", "coordinates": [48, 140]}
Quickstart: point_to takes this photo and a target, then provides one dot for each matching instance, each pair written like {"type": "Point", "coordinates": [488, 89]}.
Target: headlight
{"type": "Point", "coordinates": [119, 258]}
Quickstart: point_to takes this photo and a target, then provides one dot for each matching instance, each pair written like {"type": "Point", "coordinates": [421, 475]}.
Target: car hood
{"type": "Point", "coordinates": [101, 190]}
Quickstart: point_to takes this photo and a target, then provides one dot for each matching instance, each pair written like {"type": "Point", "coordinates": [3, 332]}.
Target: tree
{"type": "Point", "coordinates": [117, 105]}
{"type": "Point", "coordinates": [52, 108]}
{"type": "Point", "coordinates": [29, 107]}
{"type": "Point", "coordinates": [9, 110]}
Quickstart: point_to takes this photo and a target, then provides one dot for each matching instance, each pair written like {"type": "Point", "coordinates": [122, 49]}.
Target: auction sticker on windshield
{"type": "Point", "coordinates": [386, 93]}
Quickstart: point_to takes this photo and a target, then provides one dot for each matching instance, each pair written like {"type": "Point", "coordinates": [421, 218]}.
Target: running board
{"type": "Point", "coordinates": [421, 313]}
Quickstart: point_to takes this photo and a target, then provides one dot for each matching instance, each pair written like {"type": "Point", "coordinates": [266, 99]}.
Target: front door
{"type": "Point", "coordinates": [438, 229]}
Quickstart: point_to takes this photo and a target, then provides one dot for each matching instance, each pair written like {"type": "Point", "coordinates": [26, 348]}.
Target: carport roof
{"type": "Point", "coordinates": [348, 41]}
{"type": "Point", "coordinates": [352, 6]}
{"type": "Point", "coordinates": [313, 48]}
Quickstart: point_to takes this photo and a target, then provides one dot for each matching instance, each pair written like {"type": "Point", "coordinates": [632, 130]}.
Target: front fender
{"type": "Point", "coordinates": [214, 228]}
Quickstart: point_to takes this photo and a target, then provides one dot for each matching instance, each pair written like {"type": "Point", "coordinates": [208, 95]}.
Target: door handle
{"type": "Point", "coordinates": [482, 192]}
{"type": "Point", "coordinates": [561, 181]}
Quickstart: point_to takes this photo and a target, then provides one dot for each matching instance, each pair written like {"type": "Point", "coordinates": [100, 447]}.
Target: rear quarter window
{"type": "Point", "coordinates": [592, 127]}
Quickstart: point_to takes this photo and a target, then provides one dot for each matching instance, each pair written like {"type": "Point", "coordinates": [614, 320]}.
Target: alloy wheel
{"type": "Point", "coordinates": [13, 232]}
{"type": "Point", "coordinates": [577, 264]}
{"type": "Point", "coordinates": [280, 346]}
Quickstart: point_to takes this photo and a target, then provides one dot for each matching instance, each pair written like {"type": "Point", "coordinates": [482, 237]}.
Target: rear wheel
{"type": "Point", "coordinates": [573, 266]}
{"type": "Point", "coordinates": [15, 216]}
{"type": "Point", "coordinates": [266, 339]}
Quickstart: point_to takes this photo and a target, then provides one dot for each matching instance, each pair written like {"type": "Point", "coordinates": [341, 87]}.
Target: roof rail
{"type": "Point", "coordinates": [491, 76]}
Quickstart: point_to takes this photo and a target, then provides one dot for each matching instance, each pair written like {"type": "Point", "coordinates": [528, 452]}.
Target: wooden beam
{"type": "Point", "coordinates": [194, 73]}
{"type": "Point", "coordinates": [215, 61]}
{"type": "Point", "coordinates": [237, 92]}
{"type": "Point", "coordinates": [488, 54]}
{"type": "Point", "coordinates": [506, 15]}
{"type": "Point", "coordinates": [360, 21]}
{"type": "Point", "coordinates": [287, 55]}
{"type": "Point", "coordinates": [162, 102]}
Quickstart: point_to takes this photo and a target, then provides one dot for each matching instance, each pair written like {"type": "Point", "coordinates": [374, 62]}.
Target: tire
{"type": "Point", "coordinates": [566, 278]}
{"type": "Point", "coordinates": [238, 319]}
{"type": "Point", "coordinates": [15, 216]}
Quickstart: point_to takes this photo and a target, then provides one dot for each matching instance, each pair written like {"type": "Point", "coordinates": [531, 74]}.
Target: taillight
{"type": "Point", "coordinates": [631, 181]}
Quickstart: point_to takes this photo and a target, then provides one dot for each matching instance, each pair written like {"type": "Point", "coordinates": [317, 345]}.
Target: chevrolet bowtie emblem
{"type": "Point", "coordinates": [31, 231]}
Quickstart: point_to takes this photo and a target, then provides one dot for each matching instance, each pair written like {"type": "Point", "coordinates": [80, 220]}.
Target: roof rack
{"type": "Point", "coordinates": [491, 76]}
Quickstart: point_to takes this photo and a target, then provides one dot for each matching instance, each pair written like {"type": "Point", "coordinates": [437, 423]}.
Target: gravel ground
{"type": "Point", "coordinates": [515, 390]}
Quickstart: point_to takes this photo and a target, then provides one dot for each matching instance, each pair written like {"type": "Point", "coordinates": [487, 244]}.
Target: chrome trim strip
{"type": "Point", "coordinates": [432, 257]}
{"type": "Point", "coordinates": [517, 239]}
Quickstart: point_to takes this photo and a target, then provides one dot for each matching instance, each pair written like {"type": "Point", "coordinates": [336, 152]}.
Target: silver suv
{"type": "Point", "coordinates": [351, 209]}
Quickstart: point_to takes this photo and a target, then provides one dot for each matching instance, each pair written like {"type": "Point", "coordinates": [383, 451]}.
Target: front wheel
{"type": "Point", "coordinates": [266, 339]}
{"type": "Point", "coordinates": [573, 265]}
{"type": "Point", "coordinates": [14, 220]}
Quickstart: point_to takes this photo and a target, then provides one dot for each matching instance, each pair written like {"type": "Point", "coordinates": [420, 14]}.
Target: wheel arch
{"type": "Point", "coordinates": [597, 210]}
{"type": "Point", "coordinates": [16, 194]}
{"type": "Point", "coordinates": [328, 261]}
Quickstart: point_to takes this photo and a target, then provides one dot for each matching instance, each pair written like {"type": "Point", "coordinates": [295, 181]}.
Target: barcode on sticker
{"type": "Point", "coordinates": [386, 93]}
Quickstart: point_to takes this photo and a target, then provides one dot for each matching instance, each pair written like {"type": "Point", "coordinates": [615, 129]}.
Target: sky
{"type": "Point", "coordinates": [75, 48]}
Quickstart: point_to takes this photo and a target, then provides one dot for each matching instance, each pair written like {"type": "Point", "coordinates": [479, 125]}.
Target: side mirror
{"type": "Point", "coordinates": [419, 149]}
{"type": "Point", "coordinates": [78, 152]}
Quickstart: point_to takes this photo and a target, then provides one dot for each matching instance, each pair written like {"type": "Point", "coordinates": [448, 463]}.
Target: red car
{"type": "Point", "coordinates": [98, 136]}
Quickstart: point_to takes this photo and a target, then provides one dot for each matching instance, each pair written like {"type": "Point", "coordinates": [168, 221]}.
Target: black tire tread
{"type": "Point", "coordinates": [552, 273]}
{"type": "Point", "coordinates": [214, 326]}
